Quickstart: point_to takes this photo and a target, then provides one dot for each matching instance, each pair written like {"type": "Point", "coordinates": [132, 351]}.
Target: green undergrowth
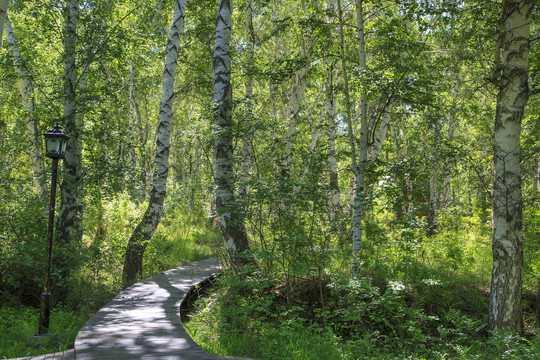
{"type": "Point", "coordinates": [339, 318]}
{"type": "Point", "coordinates": [19, 324]}
{"type": "Point", "coordinates": [96, 276]}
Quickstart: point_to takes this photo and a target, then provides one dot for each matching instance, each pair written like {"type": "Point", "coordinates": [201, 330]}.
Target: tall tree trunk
{"type": "Point", "coordinates": [432, 215]}
{"type": "Point", "coordinates": [69, 220]}
{"type": "Point", "coordinates": [131, 136]}
{"type": "Point", "coordinates": [335, 206]}
{"type": "Point", "coordinates": [230, 219]}
{"type": "Point", "coordinates": [447, 170]}
{"type": "Point", "coordinates": [133, 261]}
{"type": "Point", "coordinates": [504, 313]}
{"type": "Point", "coordinates": [433, 183]}
{"type": "Point", "coordinates": [360, 174]}
{"type": "Point", "coordinates": [29, 102]}
{"type": "Point", "coordinates": [248, 137]}
{"type": "Point", "coordinates": [449, 161]}
{"type": "Point", "coordinates": [4, 4]}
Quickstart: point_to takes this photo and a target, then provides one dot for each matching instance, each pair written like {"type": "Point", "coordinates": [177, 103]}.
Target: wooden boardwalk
{"type": "Point", "coordinates": [63, 355]}
{"type": "Point", "coordinates": [143, 322]}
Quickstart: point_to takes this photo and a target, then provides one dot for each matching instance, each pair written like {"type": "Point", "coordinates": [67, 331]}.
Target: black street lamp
{"type": "Point", "coordinates": [55, 144]}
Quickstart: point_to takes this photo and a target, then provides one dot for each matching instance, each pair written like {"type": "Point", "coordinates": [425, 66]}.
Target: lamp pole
{"type": "Point", "coordinates": [55, 144]}
{"type": "Point", "coordinates": [45, 306]}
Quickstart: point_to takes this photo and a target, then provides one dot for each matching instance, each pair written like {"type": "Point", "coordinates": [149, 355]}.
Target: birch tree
{"type": "Point", "coordinates": [133, 260]}
{"type": "Point", "coordinates": [229, 218]}
{"type": "Point", "coordinates": [359, 167]}
{"type": "Point", "coordinates": [69, 222]}
{"type": "Point", "coordinates": [26, 90]}
{"type": "Point", "coordinates": [504, 313]}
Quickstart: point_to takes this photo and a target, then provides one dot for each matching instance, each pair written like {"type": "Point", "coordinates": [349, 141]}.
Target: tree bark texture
{"type": "Point", "coordinates": [229, 218]}
{"type": "Point", "coordinates": [29, 102]}
{"type": "Point", "coordinates": [4, 4]}
{"type": "Point", "coordinates": [504, 313]}
{"type": "Point", "coordinates": [335, 206]}
{"type": "Point", "coordinates": [69, 222]}
{"type": "Point", "coordinates": [133, 261]}
{"type": "Point", "coordinates": [360, 173]}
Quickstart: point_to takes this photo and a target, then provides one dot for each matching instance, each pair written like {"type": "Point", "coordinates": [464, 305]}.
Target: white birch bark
{"type": "Point", "coordinates": [383, 129]}
{"type": "Point", "coordinates": [348, 108]}
{"type": "Point", "coordinates": [448, 165]}
{"type": "Point", "coordinates": [335, 206]}
{"type": "Point", "coordinates": [447, 170]}
{"type": "Point", "coordinates": [4, 4]}
{"type": "Point", "coordinates": [28, 98]}
{"type": "Point", "coordinates": [145, 229]}
{"type": "Point", "coordinates": [70, 190]}
{"type": "Point", "coordinates": [360, 199]}
{"type": "Point", "coordinates": [68, 224]}
{"type": "Point", "coordinates": [504, 312]}
{"type": "Point", "coordinates": [229, 218]}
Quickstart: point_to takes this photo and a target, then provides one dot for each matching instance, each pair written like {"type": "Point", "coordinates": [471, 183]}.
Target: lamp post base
{"type": "Point", "coordinates": [42, 340]}
{"type": "Point", "coordinates": [45, 313]}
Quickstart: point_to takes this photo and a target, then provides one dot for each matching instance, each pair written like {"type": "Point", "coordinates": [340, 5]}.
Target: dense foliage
{"type": "Point", "coordinates": [298, 127]}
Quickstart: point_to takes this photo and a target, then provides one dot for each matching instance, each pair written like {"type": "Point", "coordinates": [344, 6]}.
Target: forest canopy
{"type": "Point", "coordinates": [396, 141]}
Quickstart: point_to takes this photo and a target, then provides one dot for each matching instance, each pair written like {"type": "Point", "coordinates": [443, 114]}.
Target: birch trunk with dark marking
{"type": "Point", "coordinates": [385, 116]}
{"type": "Point", "coordinates": [133, 261]}
{"type": "Point", "coordinates": [29, 102]}
{"type": "Point", "coordinates": [504, 312]}
{"type": "Point", "coordinates": [230, 219]}
{"type": "Point", "coordinates": [69, 222]}
{"type": "Point", "coordinates": [4, 4]}
{"type": "Point", "coordinates": [360, 173]}
{"type": "Point", "coordinates": [335, 206]}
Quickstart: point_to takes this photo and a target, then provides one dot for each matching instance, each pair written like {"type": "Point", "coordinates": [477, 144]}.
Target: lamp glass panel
{"type": "Point", "coordinates": [64, 144]}
{"type": "Point", "coordinates": [53, 145]}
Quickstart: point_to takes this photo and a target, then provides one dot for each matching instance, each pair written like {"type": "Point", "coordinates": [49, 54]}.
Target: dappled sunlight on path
{"type": "Point", "coordinates": [143, 321]}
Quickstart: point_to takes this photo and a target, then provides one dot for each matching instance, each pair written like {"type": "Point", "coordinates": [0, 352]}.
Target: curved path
{"type": "Point", "coordinates": [143, 321]}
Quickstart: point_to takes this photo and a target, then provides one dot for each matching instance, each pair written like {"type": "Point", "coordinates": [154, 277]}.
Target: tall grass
{"type": "Point", "coordinates": [18, 325]}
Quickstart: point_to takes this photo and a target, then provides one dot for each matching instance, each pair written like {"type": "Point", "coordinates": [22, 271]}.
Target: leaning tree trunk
{"type": "Point", "coordinates": [504, 313]}
{"type": "Point", "coordinates": [4, 4]}
{"type": "Point", "coordinates": [133, 261]}
{"type": "Point", "coordinates": [29, 102]}
{"type": "Point", "coordinates": [230, 220]}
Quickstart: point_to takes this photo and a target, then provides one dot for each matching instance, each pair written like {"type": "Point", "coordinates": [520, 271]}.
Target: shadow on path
{"type": "Point", "coordinates": [143, 322]}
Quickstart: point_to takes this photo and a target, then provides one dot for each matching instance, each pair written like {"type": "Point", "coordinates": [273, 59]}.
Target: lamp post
{"type": "Point", "coordinates": [55, 144]}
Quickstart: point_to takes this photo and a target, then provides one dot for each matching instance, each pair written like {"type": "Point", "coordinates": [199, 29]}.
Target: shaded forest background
{"type": "Point", "coordinates": [418, 104]}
